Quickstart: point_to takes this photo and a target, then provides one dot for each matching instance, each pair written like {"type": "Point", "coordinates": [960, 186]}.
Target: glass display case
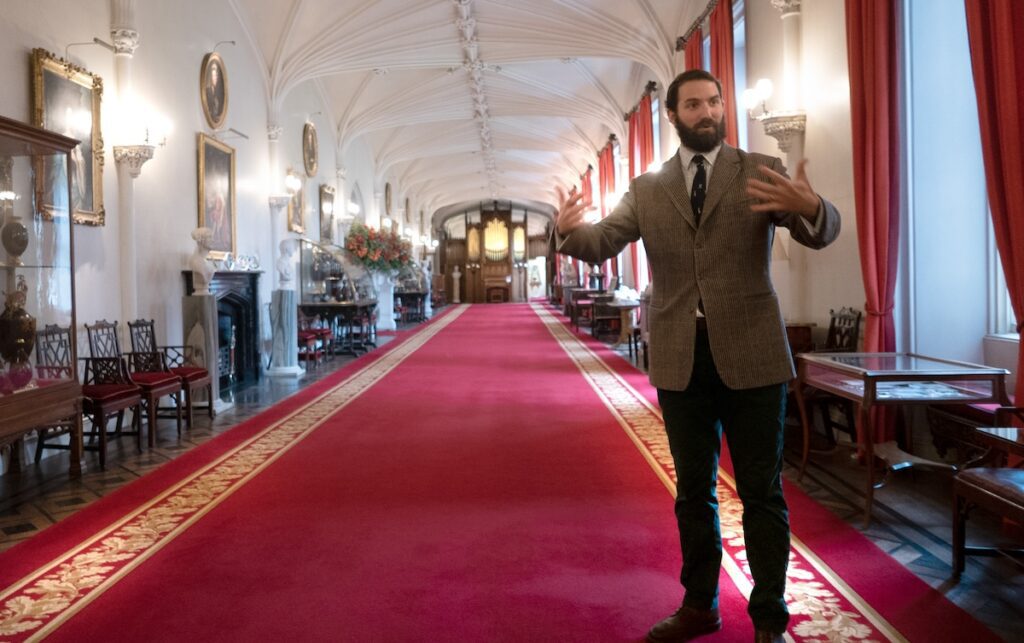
{"type": "Point", "coordinates": [38, 379]}
{"type": "Point", "coordinates": [330, 273]}
{"type": "Point", "coordinates": [411, 279]}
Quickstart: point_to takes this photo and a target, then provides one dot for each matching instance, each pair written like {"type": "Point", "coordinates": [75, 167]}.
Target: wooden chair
{"type": "Point", "coordinates": [107, 390]}
{"type": "Point", "coordinates": [843, 335]}
{"type": "Point", "coordinates": [999, 490]}
{"type": "Point", "coordinates": [604, 318]}
{"type": "Point", "coordinates": [147, 370]}
{"type": "Point", "coordinates": [178, 359]}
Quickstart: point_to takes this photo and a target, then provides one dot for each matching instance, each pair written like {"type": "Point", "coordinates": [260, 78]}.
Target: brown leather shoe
{"type": "Point", "coordinates": [687, 623]}
{"type": "Point", "coordinates": [764, 636]}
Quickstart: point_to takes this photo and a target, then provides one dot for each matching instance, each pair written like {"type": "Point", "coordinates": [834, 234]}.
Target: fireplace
{"type": "Point", "coordinates": [238, 324]}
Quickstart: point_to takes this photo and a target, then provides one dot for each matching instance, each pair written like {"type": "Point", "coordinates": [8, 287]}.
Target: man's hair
{"type": "Point", "coordinates": [672, 95]}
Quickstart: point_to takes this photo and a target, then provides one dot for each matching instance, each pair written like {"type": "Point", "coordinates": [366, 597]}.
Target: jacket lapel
{"type": "Point", "coordinates": [727, 166]}
{"type": "Point", "coordinates": [672, 179]}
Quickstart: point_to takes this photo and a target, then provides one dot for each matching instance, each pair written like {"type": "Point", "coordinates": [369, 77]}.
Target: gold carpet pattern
{"type": "Point", "coordinates": [822, 607]}
{"type": "Point", "coordinates": [44, 599]}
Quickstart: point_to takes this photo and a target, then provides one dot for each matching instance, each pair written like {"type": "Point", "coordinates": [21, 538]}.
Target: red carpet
{"type": "Point", "coordinates": [466, 483]}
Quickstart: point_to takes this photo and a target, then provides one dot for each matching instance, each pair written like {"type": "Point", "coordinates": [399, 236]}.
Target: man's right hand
{"type": "Point", "coordinates": [570, 211]}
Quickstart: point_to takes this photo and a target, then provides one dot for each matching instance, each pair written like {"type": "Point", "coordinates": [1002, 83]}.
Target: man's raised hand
{"type": "Point", "coordinates": [781, 194]}
{"type": "Point", "coordinates": [570, 211]}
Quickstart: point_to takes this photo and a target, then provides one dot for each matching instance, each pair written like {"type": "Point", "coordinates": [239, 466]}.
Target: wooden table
{"type": "Point", "coordinates": [346, 315]}
{"type": "Point", "coordinates": [896, 379]}
{"type": "Point", "coordinates": [626, 308]}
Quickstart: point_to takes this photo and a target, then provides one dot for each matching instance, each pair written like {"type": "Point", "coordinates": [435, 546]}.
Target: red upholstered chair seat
{"type": "Point", "coordinates": [155, 379]}
{"type": "Point", "coordinates": [190, 373]}
{"type": "Point", "coordinates": [106, 393]}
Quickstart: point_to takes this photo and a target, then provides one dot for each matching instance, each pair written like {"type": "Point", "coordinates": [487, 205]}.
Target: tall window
{"type": "Point", "coordinates": [705, 46]}
{"type": "Point", "coordinates": [950, 253]}
{"type": "Point", "coordinates": [656, 129]}
{"type": "Point", "coordinates": [739, 46]}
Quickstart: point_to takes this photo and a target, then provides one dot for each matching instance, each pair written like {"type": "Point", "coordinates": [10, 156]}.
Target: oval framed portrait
{"type": "Point", "coordinates": [310, 150]}
{"type": "Point", "coordinates": [387, 199]}
{"type": "Point", "coordinates": [213, 89]}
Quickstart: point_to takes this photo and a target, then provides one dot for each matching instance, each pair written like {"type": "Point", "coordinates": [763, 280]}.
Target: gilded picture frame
{"type": "Point", "coordinates": [216, 180]}
{"type": "Point", "coordinates": [326, 214]}
{"type": "Point", "coordinates": [387, 199]}
{"type": "Point", "coordinates": [310, 149]}
{"type": "Point", "coordinates": [297, 206]}
{"type": "Point", "coordinates": [66, 99]}
{"type": "Point", "coordinates": [213, 90]}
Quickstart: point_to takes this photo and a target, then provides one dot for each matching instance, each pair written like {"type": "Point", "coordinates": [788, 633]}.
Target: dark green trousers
{"type": "Point", "coordinates": [752, 420]}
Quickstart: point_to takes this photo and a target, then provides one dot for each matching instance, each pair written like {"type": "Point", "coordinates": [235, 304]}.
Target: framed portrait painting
{"type": "Point", "coordinates": [326, 214]}
{"type": "Point", "coordinates": [213, 89]}
{"type": "Point", "coordinates": [297, 206]}
{"type": "Point", "coordinates": [310, 149]}
{"type": "Point", "coordinates": [66, 99]}
{"type": "Point", "coordinates": [217, 194]}
{"type": "Point", "coordinates": [387, 199]}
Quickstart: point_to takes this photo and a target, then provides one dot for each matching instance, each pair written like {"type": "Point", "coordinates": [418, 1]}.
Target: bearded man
{"type": "Point", "coordinates": [718, 350]}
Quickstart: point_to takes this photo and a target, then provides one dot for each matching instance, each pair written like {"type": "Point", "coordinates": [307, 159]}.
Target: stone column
{"type": "Point", "coordinates": [130, 158]}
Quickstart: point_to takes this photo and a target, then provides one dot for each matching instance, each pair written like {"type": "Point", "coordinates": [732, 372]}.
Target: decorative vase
{"type": "Point", "coordinates": [17, 327]}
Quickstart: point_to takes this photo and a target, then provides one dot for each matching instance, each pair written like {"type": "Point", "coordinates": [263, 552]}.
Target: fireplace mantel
{"type": "Point", "coordinates": [237, 293]}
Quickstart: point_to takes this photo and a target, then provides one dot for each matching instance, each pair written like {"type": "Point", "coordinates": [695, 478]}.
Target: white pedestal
{"type": "Point", "coordinates": [199, 317]}
{"type": "Point", "coordinates": [284, 360]}
{"type": "Point", "coordinates": [385, 287]}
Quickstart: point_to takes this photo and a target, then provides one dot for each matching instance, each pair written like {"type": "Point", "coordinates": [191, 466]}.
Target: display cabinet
{"type": "Point", "coordinates": [337, 298]}
{"type": "Point", "coordinates": [331, 273]}
{"type": "Point", "coordinates": [38, 382]}
{"type": "Point", "coordinates": [411, 292]}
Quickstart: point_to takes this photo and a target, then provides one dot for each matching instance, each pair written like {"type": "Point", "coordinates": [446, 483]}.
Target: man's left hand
{"type": "Point", "coordinates": [782, 194]}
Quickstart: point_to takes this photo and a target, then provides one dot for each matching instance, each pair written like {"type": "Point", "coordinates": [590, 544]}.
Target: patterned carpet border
{"type": "Point", "coordinates": [44, 599]}
{"type": "Point", "coordinates": [822, 607]}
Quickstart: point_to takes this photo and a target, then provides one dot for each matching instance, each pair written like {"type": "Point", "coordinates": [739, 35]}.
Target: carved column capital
{"type": "Point", "coordinates": [274, 131]}
{"type": "Point", "coordinates": [133, 157]}
{"type": "Point", "coordinates": [787, 6]}
{"type": "Point", "coordinates": [126, 41]}
{"type": "Point", "coordinates": [785, 127]}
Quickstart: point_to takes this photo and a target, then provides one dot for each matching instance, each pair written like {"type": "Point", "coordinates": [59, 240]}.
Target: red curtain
{"type": "Point", "coordinates": [996, 32]}
{"type": "Point", "coordinates": [722, 65]}
{"type": "Point", "coordinates": [587, 187]}
{"type": "Point", "coordinates": [872, 50]}
{"type": "Point", "coordinates": [641, 155]}
{"type": "Point", "coordinates": [606, 185]}
{"type": "Point", "coordinates": [693, 55]}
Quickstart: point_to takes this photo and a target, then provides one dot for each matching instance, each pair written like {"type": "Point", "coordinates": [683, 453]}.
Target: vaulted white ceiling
{"type": "Point", "coordinates": [467, 100]}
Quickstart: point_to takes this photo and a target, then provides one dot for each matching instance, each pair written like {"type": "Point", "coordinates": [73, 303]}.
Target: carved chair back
{"type": "Point", "coordinates": [103, 340]}
{"type": "Point", "coordinates": [53, 352]}
{"type": "Point", "coordinates": [142, 337]}
{"type": "Point", "coordinates": [843, 330]}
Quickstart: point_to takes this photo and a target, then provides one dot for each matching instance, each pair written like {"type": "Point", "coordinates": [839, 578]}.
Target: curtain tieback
{"type": "Point", "coordinates": [880, 313]}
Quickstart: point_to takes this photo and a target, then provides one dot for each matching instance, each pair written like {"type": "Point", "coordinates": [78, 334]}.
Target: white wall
{"type": "Point", "coordinates": [811, 282]}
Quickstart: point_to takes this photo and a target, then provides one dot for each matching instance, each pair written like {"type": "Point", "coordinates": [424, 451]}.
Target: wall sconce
{"type": "Point", "coordinates": [785, 126]}
{"type": "Point", "coordinates": [353, 208]}
{"type": "Point", "coordinates": [434, 243]}
{"type": "Point", "coordinates": [385, 223]}
{"type": "Point", "coordinates": [758, 95]}
{"type": "Point", "coordinates": [473, 266]}
{"type": "Point", "coordinates": [292, 182]}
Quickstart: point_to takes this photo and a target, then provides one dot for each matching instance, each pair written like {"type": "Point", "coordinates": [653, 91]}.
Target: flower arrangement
{"type": "Point", "coordinates": [378, 250]}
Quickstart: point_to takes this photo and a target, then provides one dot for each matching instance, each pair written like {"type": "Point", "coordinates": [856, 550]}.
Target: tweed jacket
{"type": "Point", "coordinates": [724, 262]}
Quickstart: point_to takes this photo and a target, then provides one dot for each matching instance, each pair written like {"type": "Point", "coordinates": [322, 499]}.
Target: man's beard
{"type": "Point", "coordinates": [702, 141]}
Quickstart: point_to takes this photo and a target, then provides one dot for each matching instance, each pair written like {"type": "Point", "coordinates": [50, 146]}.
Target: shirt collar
{"type": "Point", "coordinates": [686, 155]}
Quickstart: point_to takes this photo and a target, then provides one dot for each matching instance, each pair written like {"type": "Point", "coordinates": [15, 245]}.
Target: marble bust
{"type": "Point", "coordinates": [199, 262]}
{"type": "Point", "coordinates": [285, 264]}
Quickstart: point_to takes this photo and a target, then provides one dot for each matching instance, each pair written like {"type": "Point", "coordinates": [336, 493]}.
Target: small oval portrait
{"type": "Point", "coordinates": [213, 89]}
{"type": "Point", "coordinates": [310, 151]}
